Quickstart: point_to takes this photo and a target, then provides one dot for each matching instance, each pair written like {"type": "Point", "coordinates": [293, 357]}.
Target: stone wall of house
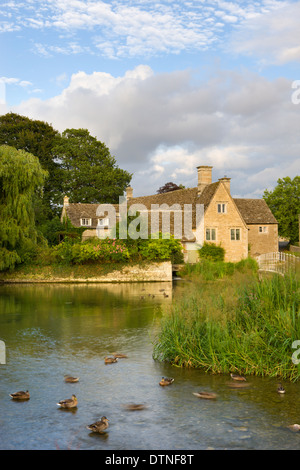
{"type": "Point", "coordinates": [265, 241]}
{"type": "Point", "coordinates": [235, 250]}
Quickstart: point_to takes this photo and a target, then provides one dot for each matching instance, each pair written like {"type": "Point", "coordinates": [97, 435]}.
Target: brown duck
{"type": "Point", "coordinates": [20, 395]}
{"type": "Point", "coordinates": [69, 403]}
{"type": "Point", "coordinates": [99, 426]}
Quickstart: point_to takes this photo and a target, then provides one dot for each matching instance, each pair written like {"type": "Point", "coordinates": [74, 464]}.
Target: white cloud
{"type": "Point", "coordinates": [272, 36]}
{"type": "Point", "coordinates": [163, 125]}
{"type": "Point", "coordinates": [119, 29]}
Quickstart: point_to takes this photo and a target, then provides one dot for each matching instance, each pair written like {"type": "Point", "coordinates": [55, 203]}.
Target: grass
{"type": "Point", "coordinates": [234, 323]}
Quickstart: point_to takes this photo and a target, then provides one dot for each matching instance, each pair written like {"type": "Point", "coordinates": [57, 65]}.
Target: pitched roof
{"type": "Point", "coordinates": [255, 211]}
{"type": "Point", "coordinates": [77, 211]}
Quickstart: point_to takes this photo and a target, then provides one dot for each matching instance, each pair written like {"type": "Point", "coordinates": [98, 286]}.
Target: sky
{"type": "Point", "coordinates": [167, 85]}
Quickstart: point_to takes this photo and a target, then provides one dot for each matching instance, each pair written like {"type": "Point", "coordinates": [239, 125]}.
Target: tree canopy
{"type": "Point", "coordinates": [91, 174]}
{"type": "Point", "coordinates": [168, 187]}
{"type": "Point", "coordinates": [284, 202]}
{"type": "Point", "coordinates": [38, 138]}
{"type": "Point", "coordinates": [20, 176]}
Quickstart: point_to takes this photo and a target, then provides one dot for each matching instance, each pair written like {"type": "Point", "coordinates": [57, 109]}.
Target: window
{"type": "Point", "coordinates": [263, 229]}
{"type": "Point", "coordinates": [222, 208]}
{"type": "Point", "coordinates": [103, 222]}
{"type": "Point", "coordinates": [86, 222]}
{"type": "Point", "coordinates": [210, 234]}
{"type": "Point", "coordinates": [235, 234]}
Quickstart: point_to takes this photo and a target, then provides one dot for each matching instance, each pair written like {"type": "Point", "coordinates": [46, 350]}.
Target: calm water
{"type": "Point", "coordinates": [53, 330]}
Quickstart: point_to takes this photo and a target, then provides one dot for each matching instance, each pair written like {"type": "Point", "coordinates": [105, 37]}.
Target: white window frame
{"type": "Point", "coordinates": [103, 223]}
{"type": "Point", "coordinates": [233, 234]}
{"type": "Point", "coordinates": [212, 234]}
{"type": "Point", "coordinates": [222, 207]}
{"type": "Point", "coordinates": [263, 229]}
{"type": "Point", "coordinates": [85, 222]}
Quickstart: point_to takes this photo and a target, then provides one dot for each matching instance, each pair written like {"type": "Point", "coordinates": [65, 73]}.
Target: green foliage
{"type": "Point", "coordinates": [160, 248]}
{"type": "Point", "coordinates": [211, 270]}
{"type": "Point", "coordinates": [90, 172]}
{"type": "Point", "coordinates": [114, 250]}
{"type": "Point", "coordinates": [38, 138]}
{"type": "Point", "coordinates": [284, 202]}
{"type": "Point", "coordinates": [212, 252]}
{"type": "Point", "coordinates": [91, 251]}
{"type": "Point", "coordinates": [54, 231]}
{"type": "Point", "coordinates": [251, 330]}
{"type": "Point", "coordinates": [20, 176]}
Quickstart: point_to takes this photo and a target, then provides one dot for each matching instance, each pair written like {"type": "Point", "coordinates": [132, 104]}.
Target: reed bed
{"type": "Point", "coordinates": [236, 323]}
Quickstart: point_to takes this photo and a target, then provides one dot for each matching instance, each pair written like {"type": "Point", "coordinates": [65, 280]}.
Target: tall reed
{"type": "Point", "coordinates": [248, 327]}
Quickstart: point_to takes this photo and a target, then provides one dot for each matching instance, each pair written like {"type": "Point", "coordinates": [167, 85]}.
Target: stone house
{"type": "Point", "coordinates": [206, 213]}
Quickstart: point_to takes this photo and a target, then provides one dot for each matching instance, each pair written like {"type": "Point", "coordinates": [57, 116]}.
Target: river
{"type": "Point", "coordinates": [52, 330]}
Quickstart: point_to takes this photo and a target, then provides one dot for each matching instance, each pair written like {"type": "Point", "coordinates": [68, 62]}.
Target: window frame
{"type": "Point", "coordinates": [222, 206]}
{"type": "Point", "coordinates": [87, 220]}
{"type": "Point", "coordinates": [233, 234]}
{"type": "Point", "coordinates": [211, 231]}
{"type": "Point", "coordinates": [103, 225]}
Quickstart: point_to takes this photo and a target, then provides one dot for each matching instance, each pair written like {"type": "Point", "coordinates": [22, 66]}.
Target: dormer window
{"type": "Point", "coordinates": [85, 222]}
{"type": "Point", "coordinates": [103, 223]}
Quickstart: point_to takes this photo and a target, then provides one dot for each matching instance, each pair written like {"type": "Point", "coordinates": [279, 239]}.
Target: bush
{"type": "Point", "coordinates": [212, 252]}
{"type": "Point", "coordinates": [91, 251]}
{"type": "Point", "coordinates": [161, 248]}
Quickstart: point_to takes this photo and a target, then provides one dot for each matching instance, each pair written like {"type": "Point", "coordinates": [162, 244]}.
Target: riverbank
{"type": "Point", "coordinates": [91, 273]}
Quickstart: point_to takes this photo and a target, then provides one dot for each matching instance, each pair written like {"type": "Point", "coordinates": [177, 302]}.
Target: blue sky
{"type": "Point", "coordinates": [167, 85]}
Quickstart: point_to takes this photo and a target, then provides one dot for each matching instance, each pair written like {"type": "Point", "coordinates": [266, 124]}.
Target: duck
{"type": "Point", "coordinates": [110, 360]}
{"type": "Point", "coordinates": [70, 379]}
{"type": "Point", "coordinates": [20, 395]}
{"type": "Point", "coordinates": [207, 395]}
{"type": "Point", "coordinates": [294, 427]}
{"type": "Point", "coordinates": [135, 407]}
{"type": "Point", "coordinates": [280, 389]}
{"type": "Point", "coordinates": [99, 426]}
{"type": "Point", "coordinates": [119, 355]}
{"type": "Point", "coordinates": [238, 377]}
{"type": "Point", "coordinates": [68, 403]}
{"type": "Point", "coordinates": [166, 381]}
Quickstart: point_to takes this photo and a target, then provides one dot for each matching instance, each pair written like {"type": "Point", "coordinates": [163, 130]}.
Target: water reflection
{"type": "Point", "coordinates": [55, 330]}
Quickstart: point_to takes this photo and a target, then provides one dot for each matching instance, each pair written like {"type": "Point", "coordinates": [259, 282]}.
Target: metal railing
{"type": "Point", "coordinates": [278, 262]}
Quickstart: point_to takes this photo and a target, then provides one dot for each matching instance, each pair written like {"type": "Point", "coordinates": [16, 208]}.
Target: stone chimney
{"type": "Point", "coordinates": [204, 177]}
{"type": "Point", "coordinates": [66, 201]}
{"type": "Point", "coordinates": [129, 192]}
{"type": "Point", "coordinates": [226, 182]}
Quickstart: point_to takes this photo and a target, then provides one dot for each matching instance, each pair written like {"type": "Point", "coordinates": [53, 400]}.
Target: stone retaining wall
{"type": "Point", "coordinates": [152, 272]}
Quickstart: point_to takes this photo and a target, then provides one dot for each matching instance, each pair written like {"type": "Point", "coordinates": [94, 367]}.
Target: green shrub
{"type": "Point", "coordinates": [212, 252]}
{"type": "Point", "coordinates": [91, 251]}
{"type": "Point", "coordinates": [161, 249]}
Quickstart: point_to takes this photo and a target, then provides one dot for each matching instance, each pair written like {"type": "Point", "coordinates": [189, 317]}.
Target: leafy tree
{"type": "Point", "coordinates": [168, 187]}
{"type": "Point", "coordinates": [284, 202]}
{"type": "Point", "coordinates": [38, 138]}
{"type": "Point", "coordinates": [90, 172]}
{"type": "Point", "coordinates": [20, 176]}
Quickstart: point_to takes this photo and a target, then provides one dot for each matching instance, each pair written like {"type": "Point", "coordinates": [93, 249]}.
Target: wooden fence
{"type": "Point", "coordinates": [278, 262]}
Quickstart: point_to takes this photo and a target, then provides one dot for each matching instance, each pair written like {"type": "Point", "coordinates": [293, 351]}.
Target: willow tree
{"type": "Point", "coordinates": [21, 175]}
